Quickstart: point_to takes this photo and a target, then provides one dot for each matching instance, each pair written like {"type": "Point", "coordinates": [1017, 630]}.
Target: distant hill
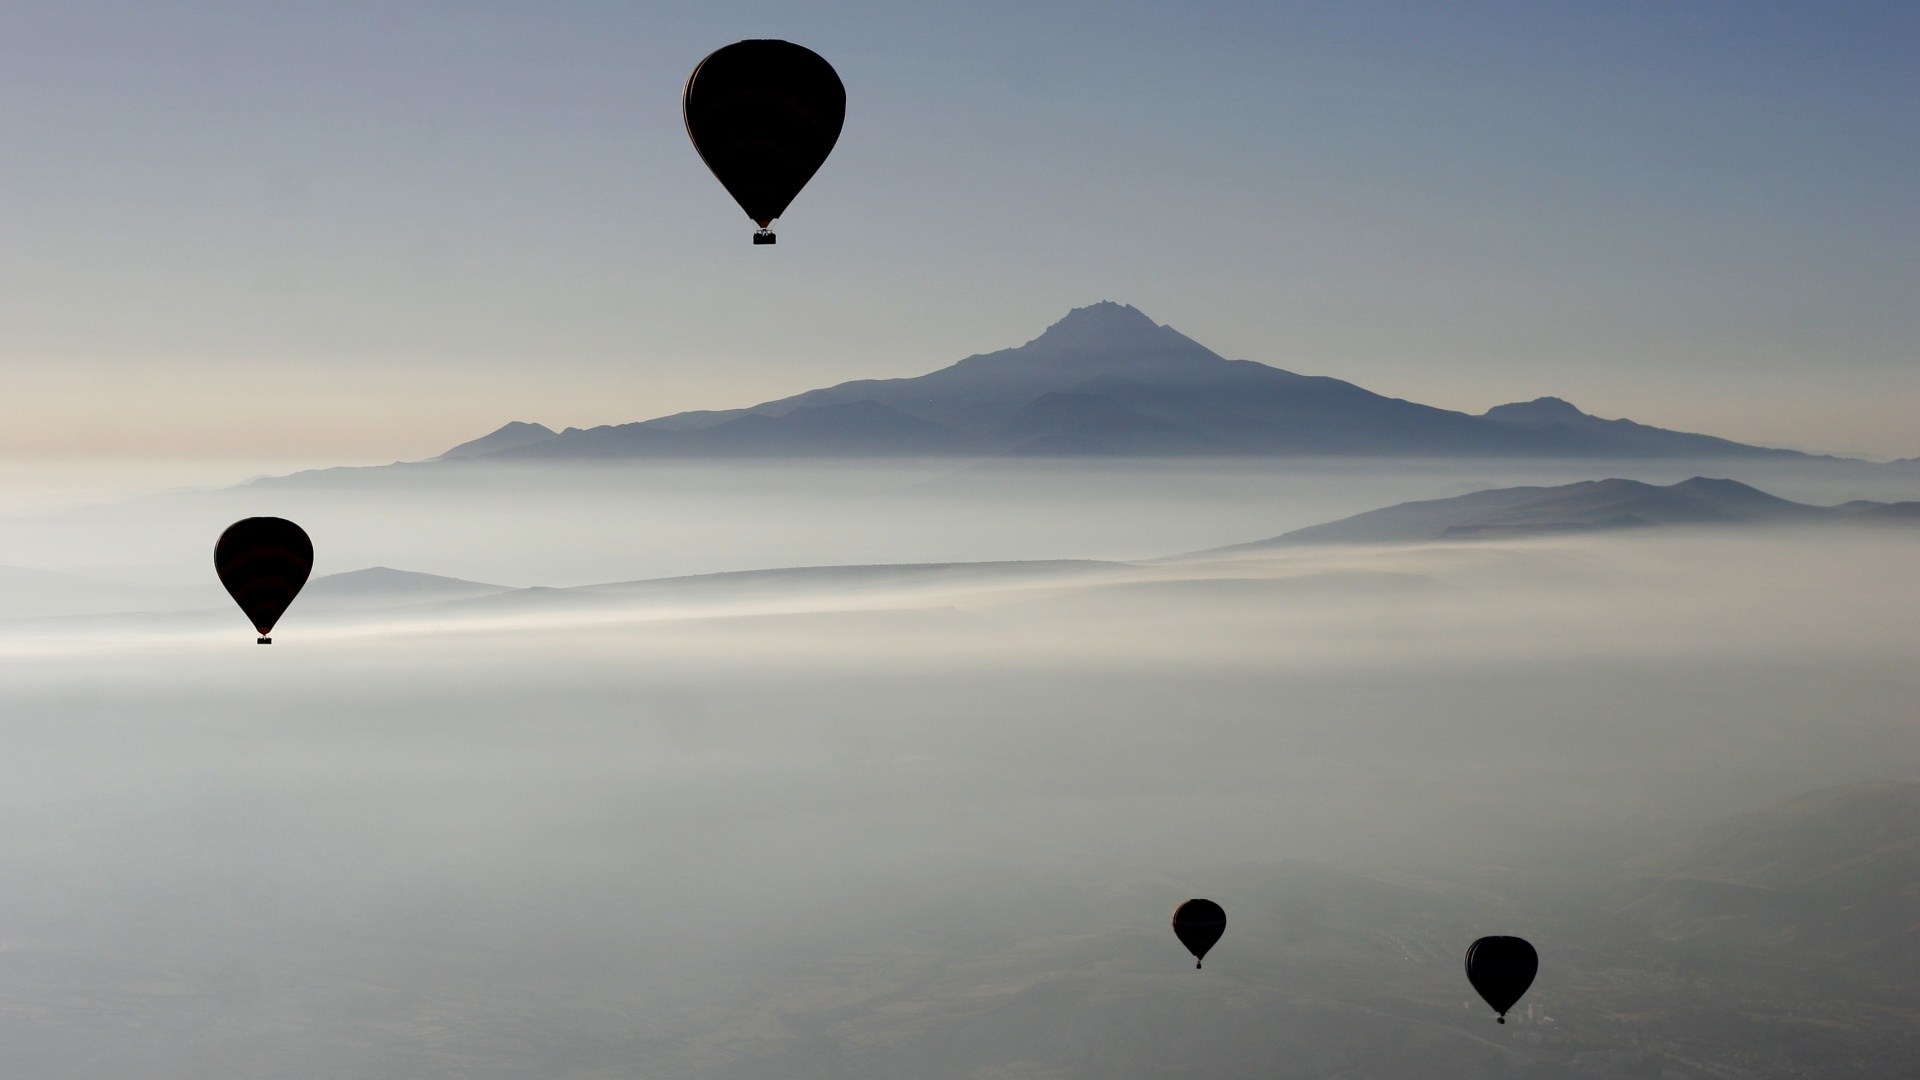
{"type": "Point", "coordinates": [1550, 415]}
{"type": "Point", "coordinates": [809, 584]}
{"type": "Point", "coordinates": [1106, 380]}
{"type": "Point", "coordinates": [1588, 506]}
{"type": "Point", "coordinates": [385, 586]}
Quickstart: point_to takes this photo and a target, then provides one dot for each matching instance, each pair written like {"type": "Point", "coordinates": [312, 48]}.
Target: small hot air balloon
{"type": "Point", "coordinates": [1198, 924]}
{"type": "Point", "coordinates": [263, 562]}
{"type": "Point", "coordinates": [1501, 969]}
{"type": "Point", "coordinates": [764, 115]}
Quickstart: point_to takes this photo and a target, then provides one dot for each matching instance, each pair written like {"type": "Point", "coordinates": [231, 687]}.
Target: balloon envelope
{"type": "Point", "coordinates": [1198, 924]}
{"type": "Point", "coordinates": [263, 562]}
{"type": "Point", "coordinates": [764, 115]}
{"type": "Point", "coordinates": [1501, 969]}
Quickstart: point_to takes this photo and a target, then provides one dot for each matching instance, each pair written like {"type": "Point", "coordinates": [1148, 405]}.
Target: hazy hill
{"type": "Point", "coordinates": [385, 586]}
{"type": "Point", "coordinates": [1105, 380]}
{"type": "Point", "coordinates": [1583, 507]}
{"type": "Point", "coordinates": [806, 584]}
{"type": "Point", "coordinates": [1560, 419]}
{"type": "Point", "coordinates": [1834, 872]}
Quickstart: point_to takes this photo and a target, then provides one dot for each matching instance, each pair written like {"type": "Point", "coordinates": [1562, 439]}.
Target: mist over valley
{"type": "Point", "coordinates": [721, 804]}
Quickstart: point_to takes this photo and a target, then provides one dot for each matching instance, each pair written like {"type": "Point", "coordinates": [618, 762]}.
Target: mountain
{"type": "Point", "coordinates": [1560, 419]}
{"type": "Point", "coordinates": [1106, 380]}
{"type": "Point", "coordinates": [509, 437]}
{"type": "Point", "coordinates": [1588, 506]}
{"type": "Point", "coordinates": [860, 428]}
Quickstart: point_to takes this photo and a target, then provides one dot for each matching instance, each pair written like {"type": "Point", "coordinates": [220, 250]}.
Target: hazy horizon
{"type": "Point", "coordinates": [581, 523]}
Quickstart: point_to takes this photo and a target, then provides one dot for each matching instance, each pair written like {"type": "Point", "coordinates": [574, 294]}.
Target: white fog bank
{"type": "Point", "coordinates": [876, 821]}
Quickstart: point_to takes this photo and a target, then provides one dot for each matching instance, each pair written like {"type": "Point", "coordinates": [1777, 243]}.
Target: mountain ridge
{"type": "Point", "coordinates": [1586, 506]}
{"type": "Point", "coordinates": [1105, 380]}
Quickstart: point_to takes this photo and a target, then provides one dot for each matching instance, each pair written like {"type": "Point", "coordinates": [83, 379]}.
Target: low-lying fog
{"type": "Point", "coordinates": [617, 522]}
{"type": "Point", "coordinates": [883, 824]}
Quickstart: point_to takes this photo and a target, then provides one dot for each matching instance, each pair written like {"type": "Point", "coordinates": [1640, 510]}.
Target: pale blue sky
{"type": "Point", "coordinates": [372, 230]}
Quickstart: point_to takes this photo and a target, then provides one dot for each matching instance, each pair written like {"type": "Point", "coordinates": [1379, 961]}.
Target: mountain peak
{"type": "Point", "coordinates": [1536, 413]}
{"type": "Point", "coordinates": [1105, 326]}
{"type": "Point", "coordinates": [510, 436]}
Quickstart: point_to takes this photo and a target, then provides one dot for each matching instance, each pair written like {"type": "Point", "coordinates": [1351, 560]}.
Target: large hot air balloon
{"type": "Point", "coordinates": [263, 562]}
{"type": "Point", "coordinates": [764, 115]}
{"type": "Point", "coordinates": [1198, 924]}
{"type": "Point", "coordinates": [1501, 969]}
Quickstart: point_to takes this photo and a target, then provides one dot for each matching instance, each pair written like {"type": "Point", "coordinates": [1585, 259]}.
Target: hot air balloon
{"type": "Point", "coordinates": [1198, 924]}
{"type": "Point", "coordinates": [1501, 969]}
{"type": "Point", "coordinates": [263, 562]}
{"type": "Point", "coordinates": [764, 115]}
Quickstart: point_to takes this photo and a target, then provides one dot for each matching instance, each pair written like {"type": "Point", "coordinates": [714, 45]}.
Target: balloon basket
{"type": "Point", "coordinates": [264, 641]}
{"type": "Point", "coordinates": [763, 237]}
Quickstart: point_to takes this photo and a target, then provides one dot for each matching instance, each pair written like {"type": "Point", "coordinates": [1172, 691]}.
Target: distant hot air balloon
{"type": "Point", "coordinates": [1501, 969]}
{"type": "Point", "coordinates": [764, 115]}
{"type": "Point", "coordinates": [263, 562]}
{"type": "Point", "coordinates": [1198, 924]}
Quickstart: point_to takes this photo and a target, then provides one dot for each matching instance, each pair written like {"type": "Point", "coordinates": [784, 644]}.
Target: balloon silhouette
{"type": "Point", "coordinates": [764, 115]}
{"type": "Point", "coordinates": [263, 562]}
{"type": "Point", "coordinates": [1501, 969]}
{"type": "Point", "coordinates": [1198, 924]}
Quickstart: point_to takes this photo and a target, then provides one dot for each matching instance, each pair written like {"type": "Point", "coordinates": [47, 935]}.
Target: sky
{"type": "Point", "coordinates": [357, 232]}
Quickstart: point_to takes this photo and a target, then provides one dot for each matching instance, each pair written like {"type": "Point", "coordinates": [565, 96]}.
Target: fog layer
{"type": "Point", "coordinates": [847, 822]}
